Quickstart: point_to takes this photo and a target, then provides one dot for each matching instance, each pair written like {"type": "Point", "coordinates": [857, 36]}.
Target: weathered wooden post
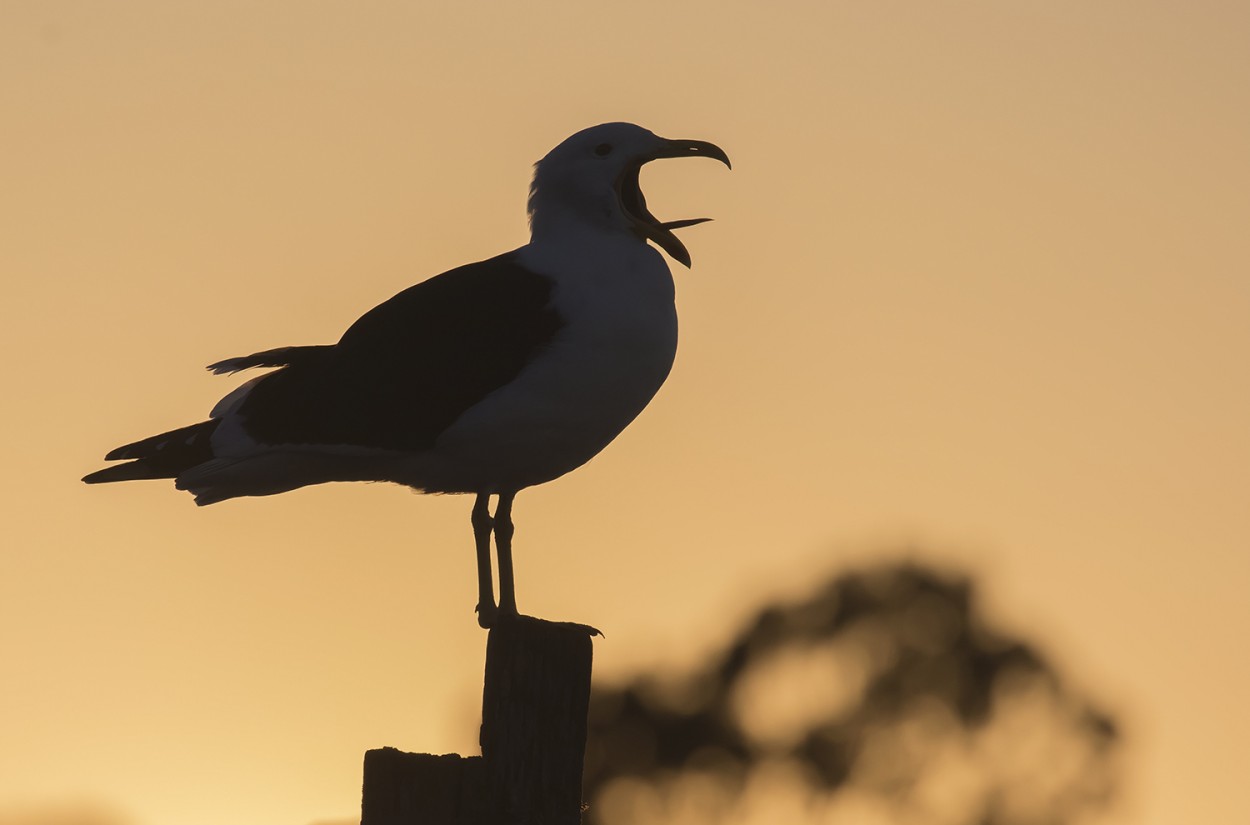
{"type": "Point", "coordinates": [533, 736]}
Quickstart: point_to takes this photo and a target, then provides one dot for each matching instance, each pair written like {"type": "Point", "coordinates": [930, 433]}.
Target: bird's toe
{"type": "Point", "coordinates": [487, 615]}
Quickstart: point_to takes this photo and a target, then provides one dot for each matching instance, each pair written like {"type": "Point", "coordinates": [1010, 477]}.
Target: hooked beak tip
{"type": "Point", "coordinates": [696, 149]}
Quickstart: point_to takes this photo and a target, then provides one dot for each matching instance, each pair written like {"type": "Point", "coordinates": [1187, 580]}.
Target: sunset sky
{"type": "Point", "coordinates": [977, 292]}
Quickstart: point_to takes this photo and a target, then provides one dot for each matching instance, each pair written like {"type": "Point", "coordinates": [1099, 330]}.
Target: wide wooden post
{"type": "Point", "coordinates": [533, 737]}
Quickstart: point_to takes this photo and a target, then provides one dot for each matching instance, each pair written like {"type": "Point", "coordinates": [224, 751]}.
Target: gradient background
{"type": "Point", "coordinates": [977, 291]}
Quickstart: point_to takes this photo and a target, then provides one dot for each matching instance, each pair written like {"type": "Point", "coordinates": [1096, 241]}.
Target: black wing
{"type": "Point", "coordinates": [409, 367]}
{"type": "Point", "coordinates": [161, 456]}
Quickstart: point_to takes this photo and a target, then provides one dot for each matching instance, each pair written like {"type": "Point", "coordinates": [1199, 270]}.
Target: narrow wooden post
{"type": "Point", "coordinates": [537, 692]}
{"type": "Point", "coordinates": [533, 737]}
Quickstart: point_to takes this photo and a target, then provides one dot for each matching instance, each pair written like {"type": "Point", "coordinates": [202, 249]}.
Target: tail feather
{"type": "Point", "coordinates": [160, 456]}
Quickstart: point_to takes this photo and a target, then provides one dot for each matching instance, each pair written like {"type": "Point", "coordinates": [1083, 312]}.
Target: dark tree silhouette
{"type": "Point", "coordinates": [885, 696]}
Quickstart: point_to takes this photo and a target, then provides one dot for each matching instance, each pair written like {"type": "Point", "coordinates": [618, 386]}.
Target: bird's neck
{"type": "Point", "coordinates": [587, 241]}
{"type": "Point", "coordinates": [580, 248]}
{"type": "Point", "coordinates": [554, 221]}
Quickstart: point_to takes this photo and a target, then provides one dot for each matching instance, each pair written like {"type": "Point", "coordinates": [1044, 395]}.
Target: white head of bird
{"type": "Point", "coordinates": [590, 181]}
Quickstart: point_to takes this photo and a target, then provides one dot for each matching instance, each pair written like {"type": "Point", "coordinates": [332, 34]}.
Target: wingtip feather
{"type": "Point", "coordinates": [226, 367]}
{"type": "Point", "coordinates": [130, 471]}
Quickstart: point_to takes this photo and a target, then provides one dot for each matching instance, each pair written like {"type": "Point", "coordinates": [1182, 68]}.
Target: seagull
{"type": "Point", "coordinates": [487, 379]}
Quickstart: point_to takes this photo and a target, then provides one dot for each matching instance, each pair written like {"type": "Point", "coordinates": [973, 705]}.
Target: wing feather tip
{"type": "Point", "coordinates": [229, 366]}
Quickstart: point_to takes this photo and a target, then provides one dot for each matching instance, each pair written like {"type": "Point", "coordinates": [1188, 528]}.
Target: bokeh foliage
{"type": "Point", "coordinates": [885, 696]}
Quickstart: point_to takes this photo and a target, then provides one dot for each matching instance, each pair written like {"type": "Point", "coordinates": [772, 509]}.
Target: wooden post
{"type": "Point", "coordinates": [533, 738]}
{"type": "Point", "coordinates": [421, 789]}
{"type": "Point", "coordinates": [534, 704]}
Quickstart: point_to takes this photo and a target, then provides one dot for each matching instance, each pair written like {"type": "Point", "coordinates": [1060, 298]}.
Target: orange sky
{"type": "Point", "coordinates": [978, 285]}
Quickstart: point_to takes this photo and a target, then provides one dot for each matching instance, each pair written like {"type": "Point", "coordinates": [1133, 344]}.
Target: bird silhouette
{"type": "Point", "coordinates": [487, 379]}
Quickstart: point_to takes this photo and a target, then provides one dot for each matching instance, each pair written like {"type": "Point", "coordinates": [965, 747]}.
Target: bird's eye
{"type": "Point", "coordinates": [603, 150]}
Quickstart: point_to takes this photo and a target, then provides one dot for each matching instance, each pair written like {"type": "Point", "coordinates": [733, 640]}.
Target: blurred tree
{"type": "Point", "coordinates": [884, 697]}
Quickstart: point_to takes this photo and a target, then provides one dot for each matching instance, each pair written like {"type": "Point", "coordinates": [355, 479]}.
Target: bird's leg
{"type": "Point", "coordinates": [503, 546]}
{"type": "Point", "coordinates": [482, 524]}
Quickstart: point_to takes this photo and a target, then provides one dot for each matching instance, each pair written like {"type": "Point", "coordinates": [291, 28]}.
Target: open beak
{"type": "Point", "coordinates": [635, 205]}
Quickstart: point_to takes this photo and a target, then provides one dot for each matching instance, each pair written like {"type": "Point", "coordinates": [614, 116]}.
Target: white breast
{"type": "Point", "coordinates": [598, 373]}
